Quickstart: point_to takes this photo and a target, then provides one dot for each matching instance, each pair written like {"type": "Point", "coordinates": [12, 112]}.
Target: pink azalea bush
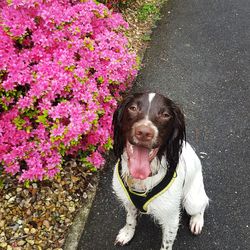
{"type": "Point", "coordinates": [63, 65]}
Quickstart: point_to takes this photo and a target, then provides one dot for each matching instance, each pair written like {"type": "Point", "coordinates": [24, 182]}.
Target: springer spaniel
{"type": "Point", "coordinates": [157, 170]}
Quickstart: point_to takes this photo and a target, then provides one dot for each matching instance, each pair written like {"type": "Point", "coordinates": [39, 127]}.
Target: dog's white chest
{"type": "Point", "coordinates": [136, 185]}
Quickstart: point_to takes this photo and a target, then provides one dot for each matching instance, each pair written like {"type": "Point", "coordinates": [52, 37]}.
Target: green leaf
{"type": "Point", "coordinates": [27, 183]}
{"type": "Point", "coordinates": [146, 10]}
{"type": "Point", "coordinates": [43, 118]}
{"type": "Point", "coordinates": [1, 183]}
{"type": "Point", "coordinates": [91, 148]}
{"type": "Point", "coordinates": [109, 144]}
{"type": "Point", "coordinates": [146, 38]}
{"type": "Point", "coordinates": [19, 122]}
{"type": "Point", "coordinates": [88, 165]}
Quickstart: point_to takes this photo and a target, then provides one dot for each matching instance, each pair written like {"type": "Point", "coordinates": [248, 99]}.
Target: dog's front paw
{"type": "Point", "coordinates": [196, 223]}
{"type": "Point", "coordinates": [125, 235]}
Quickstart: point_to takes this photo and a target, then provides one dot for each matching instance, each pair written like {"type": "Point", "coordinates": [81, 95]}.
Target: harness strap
{"type": "Point", "coordinates": [141, 200]}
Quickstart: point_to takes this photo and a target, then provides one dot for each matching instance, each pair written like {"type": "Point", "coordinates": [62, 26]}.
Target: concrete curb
{"type": "Point", "coordinates": [77, 227]}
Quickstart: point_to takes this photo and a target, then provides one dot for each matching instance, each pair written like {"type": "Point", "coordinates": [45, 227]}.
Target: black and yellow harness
{"type": "Point", "coordinates": [139, 199]}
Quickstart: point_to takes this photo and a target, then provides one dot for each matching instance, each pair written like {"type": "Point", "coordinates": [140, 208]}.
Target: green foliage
{"type": "Point", "coordinates": [1, 183]}
{"type": "Point", "coordinates": [116, 4]}
{"type": "Point", "coordinates": [109, 144]}
{"type": "Point", "coordinates": [1, 178]}
{"type": "Point", "coordinates": [146, 38]}
{"type": "Point", "coordinates": [43, 118]}
{"type": "Point", "coordinates": [83, 158]}
{"type": "Point", "coordinates": [146, 10]}
{"type": "Point", "coordinates": [19, 122]}
{"type": "Point", "coordinates": [26, 183]}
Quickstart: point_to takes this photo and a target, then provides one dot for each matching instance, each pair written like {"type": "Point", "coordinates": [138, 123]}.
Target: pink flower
{"type": "Point", "coordinates": [24, 102]}
{"type": "Point", "coordinates": [58, 131]}
{"type": "Point", "coordinates": [12, 169]}
{"type": "Point", "coordinates": [96, 159]}
{"type": "Point", "coordinates": [63, 67]}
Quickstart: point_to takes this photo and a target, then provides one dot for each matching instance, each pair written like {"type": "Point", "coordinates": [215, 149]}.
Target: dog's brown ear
{"type": "Point", "coordinates": [178, 135]}
{"type": "Point", "coordinates": [179, 132]}
{"type": "Point", "coordinates": [119, 140]}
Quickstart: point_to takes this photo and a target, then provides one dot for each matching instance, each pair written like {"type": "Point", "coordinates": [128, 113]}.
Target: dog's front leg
{"type": "Point", "coordinates": [169, 231]}
{"type": "Point", "coordinates": [127, 232]}
{"type": "Point", "coordinates": [169, 235]}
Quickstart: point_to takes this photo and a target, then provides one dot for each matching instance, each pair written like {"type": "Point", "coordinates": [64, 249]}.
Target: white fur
{"type": "Point", "coordinates": [150, 98]}
{"type": "Point", "coordinates": [187, 190]}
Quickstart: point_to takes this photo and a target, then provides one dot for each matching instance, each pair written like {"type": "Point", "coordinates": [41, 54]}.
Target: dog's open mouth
{"type": "Point", "coordinates": [139, 159]}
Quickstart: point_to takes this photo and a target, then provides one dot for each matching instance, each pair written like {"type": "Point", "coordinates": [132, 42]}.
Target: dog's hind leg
{"type": "Point", "coordinates": [127, 232]}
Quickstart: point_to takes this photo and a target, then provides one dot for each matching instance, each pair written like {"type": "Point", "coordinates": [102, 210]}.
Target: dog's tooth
{"type": "Point", "coordinates": [131, 148]}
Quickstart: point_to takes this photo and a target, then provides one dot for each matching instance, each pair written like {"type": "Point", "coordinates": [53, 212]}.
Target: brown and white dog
{"type": "Point", "coordinates": [149, 141]}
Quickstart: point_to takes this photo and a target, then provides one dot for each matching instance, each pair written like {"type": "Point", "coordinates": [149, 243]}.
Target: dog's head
{"type": "Point", "coordinates": [148, 125]}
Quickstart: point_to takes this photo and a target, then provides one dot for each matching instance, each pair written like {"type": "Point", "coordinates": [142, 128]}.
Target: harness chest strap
{"type": "Point", "coordinates": [141, 200]}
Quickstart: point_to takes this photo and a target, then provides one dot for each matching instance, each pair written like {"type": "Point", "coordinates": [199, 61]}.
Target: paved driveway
{"type": "Point", "coordinates": [200, 57]}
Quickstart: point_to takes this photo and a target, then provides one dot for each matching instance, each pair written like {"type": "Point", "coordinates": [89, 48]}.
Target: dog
{"type": "Point", "coordinates": [157, 171]}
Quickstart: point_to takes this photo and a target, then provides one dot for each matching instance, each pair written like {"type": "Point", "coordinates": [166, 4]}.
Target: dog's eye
{"type": "Point", "coordinates": [133, 108]}
{"type": "Point", "coordinates": [165, 115]}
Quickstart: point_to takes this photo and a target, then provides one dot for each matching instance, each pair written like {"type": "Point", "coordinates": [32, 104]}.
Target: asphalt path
{"type": "Point", "coordinates": [200, 57]}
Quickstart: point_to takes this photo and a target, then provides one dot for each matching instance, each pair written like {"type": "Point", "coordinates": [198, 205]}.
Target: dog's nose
{"type": "Point", "coordinates": [144, 133]}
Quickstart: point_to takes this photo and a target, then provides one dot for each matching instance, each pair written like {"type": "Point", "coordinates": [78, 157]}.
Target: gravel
{"type": "Point", "coordinates": [38, 216]}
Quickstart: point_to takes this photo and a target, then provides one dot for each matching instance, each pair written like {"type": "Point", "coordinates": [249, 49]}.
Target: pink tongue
{"type": "Point", "coordinates": [138, 162]}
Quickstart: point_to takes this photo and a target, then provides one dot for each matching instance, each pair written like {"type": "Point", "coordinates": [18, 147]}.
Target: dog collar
{"type": "Point", "coordinates": [141, 200]}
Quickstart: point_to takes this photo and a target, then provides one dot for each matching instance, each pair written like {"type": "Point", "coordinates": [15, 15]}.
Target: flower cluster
{"type": "Point", "coordinates": [63, 66]}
